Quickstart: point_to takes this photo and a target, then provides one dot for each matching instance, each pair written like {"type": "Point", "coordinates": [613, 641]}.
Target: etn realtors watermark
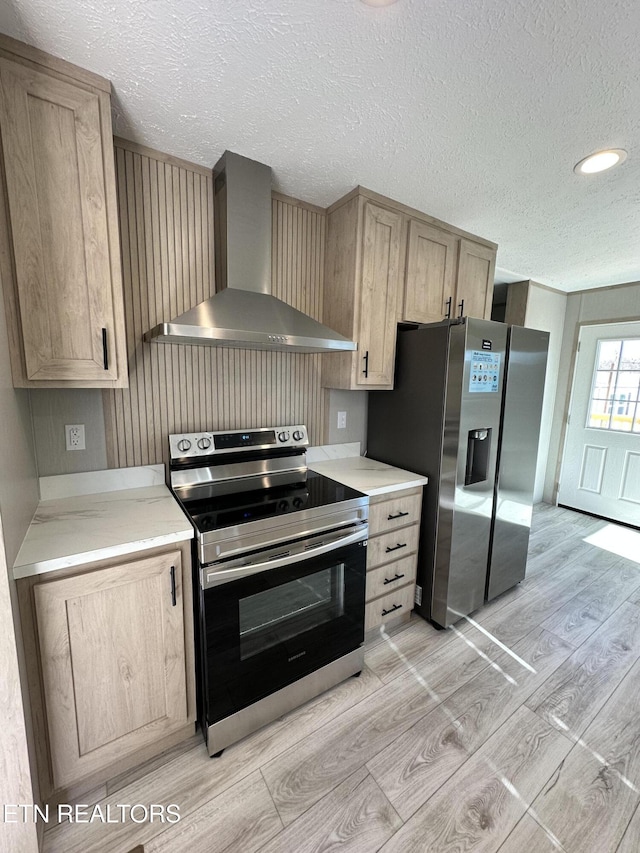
{"type": "Point", "coordinates": [84, 813]}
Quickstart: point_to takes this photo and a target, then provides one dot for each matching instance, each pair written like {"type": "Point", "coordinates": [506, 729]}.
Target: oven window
{"type": "Point", "coordinates": [276, 615]}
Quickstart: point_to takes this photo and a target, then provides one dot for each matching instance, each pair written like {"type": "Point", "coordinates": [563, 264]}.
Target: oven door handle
{"type": "Point", "coordinates": [216, 577]}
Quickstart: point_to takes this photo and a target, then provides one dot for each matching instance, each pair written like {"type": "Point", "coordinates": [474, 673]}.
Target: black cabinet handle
{"type": "Point", "coordinates": [396, 577]}
{"type": "Point", "coordinates": [396, 547]}
{"type": "Point", "coordinates": [461, 307]}
{"type": "Point", "coordinates": [447, 316]}
{"type": "Point", "coordinates": [173, 586]}
{"type": "Point", "coordinates": [397, 515]}
{"type": "Point", "coordinates": [105, 352]}
{"type": "Point", "coordinates": [391, 609]}
{"type": "Point", "coordinates": [366, 363]}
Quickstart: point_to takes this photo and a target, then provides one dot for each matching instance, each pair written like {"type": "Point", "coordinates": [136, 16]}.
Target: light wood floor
{"type": "Point", "coordinates": [517, 730]}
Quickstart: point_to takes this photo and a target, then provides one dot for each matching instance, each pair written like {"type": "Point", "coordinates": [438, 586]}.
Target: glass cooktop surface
{"type": "Point", "coordinates": [316, 490]}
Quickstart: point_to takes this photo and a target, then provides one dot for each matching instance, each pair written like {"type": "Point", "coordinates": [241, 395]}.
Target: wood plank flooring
{"type": "Point", "coordinates": [516, 730]}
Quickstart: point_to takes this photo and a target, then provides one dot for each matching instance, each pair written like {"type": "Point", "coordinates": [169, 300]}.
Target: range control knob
{"type": "Point", "coordinates": [283, 505]}
{"type": "Point", "coordinates": [204, 443]}
{"type": "Point", "coordinates": [298, 502]}
{"type": "Point", "coordinates": [298, 435]}
{"type": "Point", "coordinates": [183, 445]}
{"type": "Point", "coordinates": [283, 436]}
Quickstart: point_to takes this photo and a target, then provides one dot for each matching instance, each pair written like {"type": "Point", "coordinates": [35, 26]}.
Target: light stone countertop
{"type": "Point", "coordinates": [367, 475]}
{"type": "Point", "coordinates": [77, 529]}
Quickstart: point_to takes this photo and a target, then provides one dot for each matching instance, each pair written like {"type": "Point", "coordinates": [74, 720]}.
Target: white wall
{"type": "Point", "coordinates": [15, 777]}
{"type": "Point", "coordinates": [18, 500]}
{"type": "Point", "coordinates": [354, 403]}
{"type": "Point", "coordinates": [18, 479]}
{"type": "Point", "coordinates": [546, 311]}
{"type": "Point", "coordinates": [612, 304]}
{"type": "Point", "coordinates": [51, 410]}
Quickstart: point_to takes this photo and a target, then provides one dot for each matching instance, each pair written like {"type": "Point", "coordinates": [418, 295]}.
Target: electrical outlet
{"type": "Point", "coordinates": [342, 420]}
{"type": "Point", "coordinates": [74, 435]}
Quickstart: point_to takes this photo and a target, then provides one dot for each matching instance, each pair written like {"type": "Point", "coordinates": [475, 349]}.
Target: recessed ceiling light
{"type": "Point", "coordinates": [600, 161]}
{"type": "Point", "coordinates": [378, 2]}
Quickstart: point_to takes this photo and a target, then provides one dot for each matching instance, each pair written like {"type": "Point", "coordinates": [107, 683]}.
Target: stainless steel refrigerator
{"type": "Point", "coordinates": [465, 411]}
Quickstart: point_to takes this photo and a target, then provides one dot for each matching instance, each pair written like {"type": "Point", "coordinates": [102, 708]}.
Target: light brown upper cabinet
{"type": "Point", "coordinates": [474, 289]}
{"type": "Point", "coordinates": [447, 275]}
{"type": "Point", "coordinates": [59, 244]}
{"type": "Point", "coordinates": [432, 261]}
{"type": "Point", "coordinates": [364, 268]}
{"type": "Point", "coordinates": [387, 263]}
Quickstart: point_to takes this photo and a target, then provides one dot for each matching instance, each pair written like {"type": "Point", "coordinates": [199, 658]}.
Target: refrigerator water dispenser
{"type": "Point", "coordinates": [478, 452]}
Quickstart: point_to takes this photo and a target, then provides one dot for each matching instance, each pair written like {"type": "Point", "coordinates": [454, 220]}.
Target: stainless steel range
{"type": "Point", "coordinates": [279, 563]}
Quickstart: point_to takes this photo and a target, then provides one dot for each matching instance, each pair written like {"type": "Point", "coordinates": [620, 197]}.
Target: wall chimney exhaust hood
{"type": "Point", "coordinates": [243, 313]}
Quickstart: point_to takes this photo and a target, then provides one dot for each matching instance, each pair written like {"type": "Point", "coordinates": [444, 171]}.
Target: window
{"type": "Point", "coordinates": [615, 387]}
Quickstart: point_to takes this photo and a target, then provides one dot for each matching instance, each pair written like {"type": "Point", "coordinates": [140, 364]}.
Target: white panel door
{"type": "Point", "coordinates": [601, 462]}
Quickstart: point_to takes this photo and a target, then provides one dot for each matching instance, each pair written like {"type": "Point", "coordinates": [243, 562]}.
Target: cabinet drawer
{"type": "Point", "coordinates": [392, 546]}
{"type": "Point", "coordinates": [390, 606]}
{"type": "Point", "coordinates": [397, 512]}
{"type": "Point", "coordinates": [386, 579]}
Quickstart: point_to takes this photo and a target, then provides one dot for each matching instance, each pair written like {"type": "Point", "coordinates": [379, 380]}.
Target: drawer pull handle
{"type": "Point", "coordinates": [396, 547]}
{"type": "Point", "coordinates": [173, 586]}
{"type": "Point", "coordinates": [447, 316]}
{"type": "Point", "coordinates": [396, 577]}
{"type": "Point", "coordinates": [366, 364]}
{"type": "Point", "coordinates": [397, 515]}
{"type": "Point", "coordinates": [391, 609]}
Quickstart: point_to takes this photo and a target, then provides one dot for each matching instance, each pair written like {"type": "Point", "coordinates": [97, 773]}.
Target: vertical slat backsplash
{"type": "Point", "coordinates": [166, 227]}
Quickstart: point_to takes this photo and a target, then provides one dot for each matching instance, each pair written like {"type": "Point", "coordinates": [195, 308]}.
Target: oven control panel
{"type": "Point", "coordinates": [189, 445]}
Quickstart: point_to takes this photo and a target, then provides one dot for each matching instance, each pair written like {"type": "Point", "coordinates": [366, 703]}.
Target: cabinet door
{"type": "Point", "coordinates": [67, 272]}
{"type": "Point", "coordinates": [113, 662]}
{"type": "Point", "coordinates": [430, 279]}
{"type": "Point", "coordinates": [474, 291]}
{"type": "Point", "coordinates": [381, 258]}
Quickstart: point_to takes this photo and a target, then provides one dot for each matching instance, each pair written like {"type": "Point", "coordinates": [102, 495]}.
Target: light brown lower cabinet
{"type": "Point", "coordinates": [111, 647]}
{"type": "Point", "coordinates": [392, 557]}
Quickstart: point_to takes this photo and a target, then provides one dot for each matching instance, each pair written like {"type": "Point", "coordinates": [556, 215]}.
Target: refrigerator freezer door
{"type": "Point", "coordinates": [471, 426]}
{"type": "Point", "coordinates": [524, 387]}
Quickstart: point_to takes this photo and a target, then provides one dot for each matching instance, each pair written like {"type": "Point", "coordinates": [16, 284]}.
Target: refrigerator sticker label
{"type": "Point", "coordinates": [485, 371]}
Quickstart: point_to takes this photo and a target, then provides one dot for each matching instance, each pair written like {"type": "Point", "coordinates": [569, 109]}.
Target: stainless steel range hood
{"type": "Point", "coordinates": [243, 313]}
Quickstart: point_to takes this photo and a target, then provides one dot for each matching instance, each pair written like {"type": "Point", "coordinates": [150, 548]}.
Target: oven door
{"type": "Point", "coordinates": [272, 626]}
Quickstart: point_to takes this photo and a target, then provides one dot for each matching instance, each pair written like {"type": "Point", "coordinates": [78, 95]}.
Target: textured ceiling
{"type": "Point", "coordinates": [473, 111]}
